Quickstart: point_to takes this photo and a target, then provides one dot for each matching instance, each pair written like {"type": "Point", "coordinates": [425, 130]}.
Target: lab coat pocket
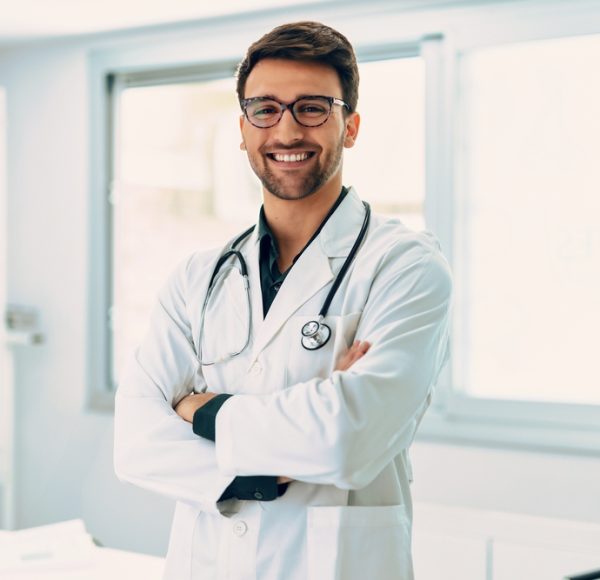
{"type": "Point", "coordinates": [358, 542]}
{"type": "Point", "coordinates": [179, 555]}
{"type": "Point", "coordinates": [304, 365]}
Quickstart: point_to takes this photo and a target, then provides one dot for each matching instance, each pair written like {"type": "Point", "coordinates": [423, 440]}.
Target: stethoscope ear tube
{"type": "Point", "coordinates": [348, 262]}
{"type": "Point", "coordinates": [316, 334]}
{"type": "Point", "coordinates": [232, 251]}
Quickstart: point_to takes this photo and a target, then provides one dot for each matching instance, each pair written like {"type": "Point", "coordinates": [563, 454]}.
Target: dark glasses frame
{"type": "Point", "coordinates": [290, 106]}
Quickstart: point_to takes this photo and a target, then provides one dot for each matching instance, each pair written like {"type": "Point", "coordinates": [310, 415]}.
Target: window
{"type": "Point", "coordinates": [182, 184]}
{"type": "Point", "coordinates": [529, 237]}
{"type": "Point", "coordinates": [392, 134]}
{"type": "Point", "coordinates": [527, 240]}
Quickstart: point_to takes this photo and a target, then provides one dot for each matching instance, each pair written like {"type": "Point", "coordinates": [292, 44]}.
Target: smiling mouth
{"type": "Point", "coordinates": [291, 157]}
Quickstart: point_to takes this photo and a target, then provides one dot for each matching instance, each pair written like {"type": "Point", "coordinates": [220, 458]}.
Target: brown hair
{"type": "Point", "coordinates": [309, 42]}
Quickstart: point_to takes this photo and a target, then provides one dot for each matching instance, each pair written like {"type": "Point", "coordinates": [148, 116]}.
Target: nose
{"type": "Point", "coordinates": [288, 130]}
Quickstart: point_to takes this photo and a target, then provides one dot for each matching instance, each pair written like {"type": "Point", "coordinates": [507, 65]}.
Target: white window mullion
{"type": "Point", "coordinates": [439, 137]}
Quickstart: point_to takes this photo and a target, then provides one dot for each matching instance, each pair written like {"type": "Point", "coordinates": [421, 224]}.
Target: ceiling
{"type": "Point", "coordinates": [22, 20]}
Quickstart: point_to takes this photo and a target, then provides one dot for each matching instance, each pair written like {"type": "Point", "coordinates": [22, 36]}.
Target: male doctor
{"type": "Point", "coordinates": [290, 462]}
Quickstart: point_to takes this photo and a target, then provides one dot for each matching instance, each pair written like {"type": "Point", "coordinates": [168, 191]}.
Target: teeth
{"type": "Point", "coordinates": [290, 158]}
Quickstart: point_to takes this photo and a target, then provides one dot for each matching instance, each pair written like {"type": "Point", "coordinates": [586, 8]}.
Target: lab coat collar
{"type": "Point", "coordinates": [339, 233]}
{"type": "Point", "coordinates": [309, 274]}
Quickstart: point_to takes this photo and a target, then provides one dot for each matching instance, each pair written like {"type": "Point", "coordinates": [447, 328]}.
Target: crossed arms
{"type": "Point", "coordinates": [339, 431]}
{"type": "Point", "coordinates": [188, 406]}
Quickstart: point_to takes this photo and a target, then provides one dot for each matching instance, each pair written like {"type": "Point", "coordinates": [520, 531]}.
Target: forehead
{"type": "Point", "coordinates": [288, 79]}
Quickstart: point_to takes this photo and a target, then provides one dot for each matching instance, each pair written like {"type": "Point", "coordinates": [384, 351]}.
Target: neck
{"type": "Point", "coordinates": [293, 222]}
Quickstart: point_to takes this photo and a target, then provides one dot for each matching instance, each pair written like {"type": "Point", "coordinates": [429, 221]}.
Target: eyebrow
{"type": "Point", "coordinates": [275, 98]}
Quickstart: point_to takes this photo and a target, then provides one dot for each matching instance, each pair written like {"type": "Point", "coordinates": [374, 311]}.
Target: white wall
{"type": "Point", "coordinates": [540, 484]}
{"type": "Point", "coordinates": [64, 465]}
{"type": "Point", "coordinates": [63, 451]}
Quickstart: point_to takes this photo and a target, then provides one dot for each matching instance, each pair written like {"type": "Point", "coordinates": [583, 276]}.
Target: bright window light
{"type": "Point", "coordinates": [387, 164]}
{"type": "Point", "coordinates": [183, 185]}
{"type": "Point", "coordinates": [528, 236]}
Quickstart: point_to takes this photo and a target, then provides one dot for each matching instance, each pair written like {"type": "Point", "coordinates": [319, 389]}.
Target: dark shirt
{"type": "Point", "coordinates": [264, 488]}
{"type": "Point", "coordinates": [271, 278]}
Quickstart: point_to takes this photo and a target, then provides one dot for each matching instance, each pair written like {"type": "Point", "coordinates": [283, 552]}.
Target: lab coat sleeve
{"type": "Point", "coordinates": [345, 429]}
{"type": "Point", "coordinates": [154, 447]}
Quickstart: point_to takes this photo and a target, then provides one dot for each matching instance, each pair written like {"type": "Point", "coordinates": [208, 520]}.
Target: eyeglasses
{"type": "Point", "coordinates": [310, 111]}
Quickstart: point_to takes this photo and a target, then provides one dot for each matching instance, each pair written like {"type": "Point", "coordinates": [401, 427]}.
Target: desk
{"type": "Point", "coordinates": [104, 564]}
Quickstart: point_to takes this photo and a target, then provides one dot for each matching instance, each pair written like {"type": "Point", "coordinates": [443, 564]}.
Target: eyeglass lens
{"type": "Point", "coordinates": [310, 112]}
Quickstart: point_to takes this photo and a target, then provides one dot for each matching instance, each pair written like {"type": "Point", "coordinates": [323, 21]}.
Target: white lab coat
{"type": "Point", "coordinates": [342, 436]}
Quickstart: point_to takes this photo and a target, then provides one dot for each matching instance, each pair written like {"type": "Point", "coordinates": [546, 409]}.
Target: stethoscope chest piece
{"type": "Point", "coordinates": [315, 335]}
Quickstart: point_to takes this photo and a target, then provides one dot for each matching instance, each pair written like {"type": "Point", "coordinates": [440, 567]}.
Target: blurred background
{"type": "Point", "coordinates": [119, 156]}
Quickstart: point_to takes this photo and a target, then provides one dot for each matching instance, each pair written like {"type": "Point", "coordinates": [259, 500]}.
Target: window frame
{"type": "Point", "coordinates": [454, 416]}
{"type": "Point", "coordinates": [108, 82]}
{"type": "Point", "coordinates": [7, 383]}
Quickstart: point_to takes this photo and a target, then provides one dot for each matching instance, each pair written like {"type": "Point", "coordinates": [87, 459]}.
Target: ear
{"type": "Point", "coordinates": [351, 129]}
{"type": "Point", "coordinates": [242, 121]}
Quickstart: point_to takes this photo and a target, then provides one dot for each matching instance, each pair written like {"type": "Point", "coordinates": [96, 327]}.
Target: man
{"type": "Point", "coordinates": [289, 460]}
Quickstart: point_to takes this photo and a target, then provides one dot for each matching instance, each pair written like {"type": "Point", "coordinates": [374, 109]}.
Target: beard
{"type": "Point", "coordinates": [297, 187]}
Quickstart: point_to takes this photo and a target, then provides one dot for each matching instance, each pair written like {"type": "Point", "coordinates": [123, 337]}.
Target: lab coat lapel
{"type": "Point", "coordinates": [311, 272]}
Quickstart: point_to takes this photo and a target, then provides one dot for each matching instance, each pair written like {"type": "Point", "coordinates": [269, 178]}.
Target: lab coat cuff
{"type": "Point", "coordinates": [254, 487]}
{"type": "Point", "coordinates": [203, 422]}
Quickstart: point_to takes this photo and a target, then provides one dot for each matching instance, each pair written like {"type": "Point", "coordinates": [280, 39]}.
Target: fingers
{"type": "Point", "coordinates": [191, 403]}
{"type": "Point", "coordinates": [354, 353]}
{"type": "Point", "coordinates": [359, 349]}
{"type": "Point", "coordinates": [363, 347]}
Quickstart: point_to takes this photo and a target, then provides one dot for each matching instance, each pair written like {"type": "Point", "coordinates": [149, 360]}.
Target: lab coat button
{"type": "Point", "coordinates": [240, 528]}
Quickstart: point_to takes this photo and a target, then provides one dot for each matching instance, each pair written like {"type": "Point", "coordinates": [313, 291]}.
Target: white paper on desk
{"type": "Point", "coordinates": [57, 546]}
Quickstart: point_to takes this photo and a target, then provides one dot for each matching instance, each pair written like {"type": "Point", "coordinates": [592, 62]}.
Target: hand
{"type": "Point", "coordinates": [190, 404]}
{"type": "Point", "coordinates": [355, 352]}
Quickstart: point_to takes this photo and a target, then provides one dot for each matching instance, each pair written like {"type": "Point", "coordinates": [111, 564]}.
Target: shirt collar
{"type": "Point", "coordinates": [263, 226]}
{"type": "Point", "coordinates": [265, 230]}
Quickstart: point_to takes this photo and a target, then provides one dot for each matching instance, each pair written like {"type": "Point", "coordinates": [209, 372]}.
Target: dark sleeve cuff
{"type": "Point", "coordinates": [205, 417]}
{"type": "Point", "coordinates": [256, 487]}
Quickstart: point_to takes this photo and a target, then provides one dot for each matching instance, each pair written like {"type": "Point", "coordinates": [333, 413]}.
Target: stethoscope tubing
{"type": "Point", "coordinates": [346, 265]}
{"type": "Point", "coordinates": [321, 335]}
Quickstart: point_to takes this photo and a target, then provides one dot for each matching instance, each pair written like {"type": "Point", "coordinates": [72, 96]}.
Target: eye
{"type": "Point", "coordinates": [313, 107]}
{"type": "Point", "coordinates": [262, 109]}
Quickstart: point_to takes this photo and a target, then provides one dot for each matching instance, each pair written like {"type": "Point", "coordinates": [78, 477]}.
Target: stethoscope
{"type": "Point", "coordinates": [314, 334]}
